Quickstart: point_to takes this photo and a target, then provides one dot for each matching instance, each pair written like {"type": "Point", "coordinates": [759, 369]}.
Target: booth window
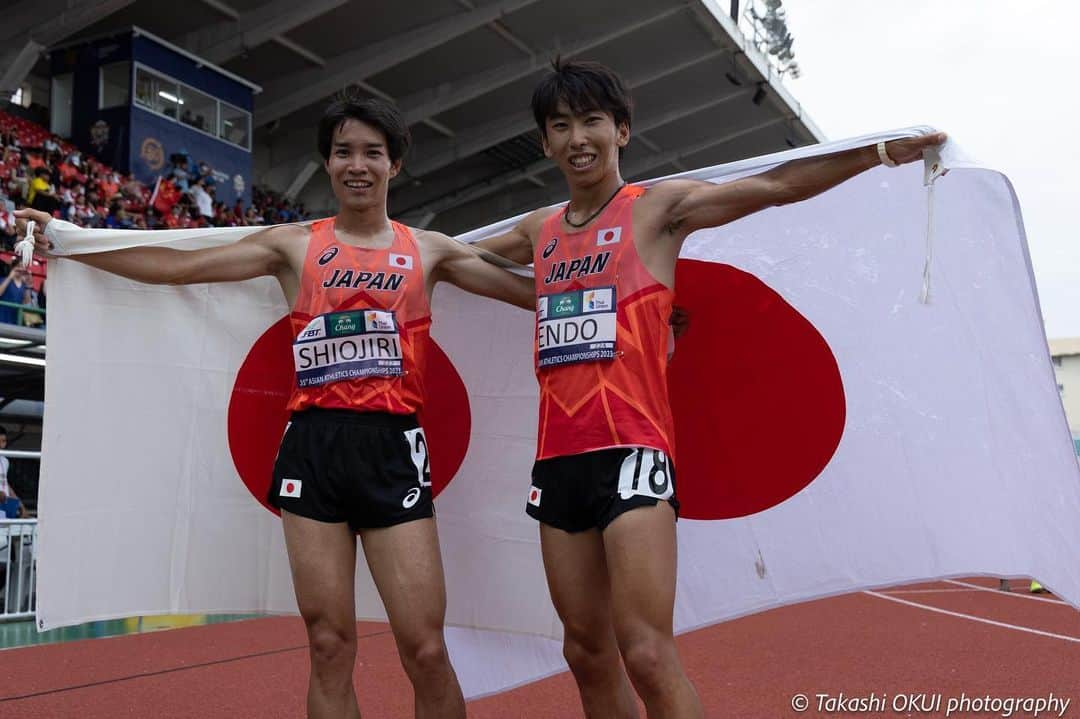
{"type": "Point", "coordinates": [235, 126]}
{"type": "Point", "coordinates": [114, 89]}
{"type": "Point", "coordinates": [198, 110]}
{"type": "Point", "coordinates": [157, 93]}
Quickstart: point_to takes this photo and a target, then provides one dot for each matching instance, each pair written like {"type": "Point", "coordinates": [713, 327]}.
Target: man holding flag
{"type": "Point", "coordinates": [354, 458]}
{"type": "Point", "coordinates": [603, 485]}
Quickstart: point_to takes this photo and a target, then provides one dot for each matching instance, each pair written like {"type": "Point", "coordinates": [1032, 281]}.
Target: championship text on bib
{"type": "Point", "coordinates": [577, 326]}
{"type": "Point", "coordinates": [347, 345]}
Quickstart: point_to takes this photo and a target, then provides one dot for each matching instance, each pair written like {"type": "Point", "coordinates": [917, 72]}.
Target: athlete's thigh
{"type": "Point", "coordinates": [640, 549]}
{"type": "Point", "coordinates": [322, 556]}
{"type": "Point", "coordinates": [577, 577]}
{"type": "Point", "coordinates": [407, 568]}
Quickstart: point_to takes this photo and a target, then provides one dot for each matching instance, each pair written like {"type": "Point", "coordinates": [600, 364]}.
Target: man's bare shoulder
{"type": "Point", "coordinates": [430, 238]}
{"type": "Point", "coordinates": [533, 221]}
{"type": "Point", "coordinates": [666, 191]}
{"type": "Point", "coordinates": [282, 236]}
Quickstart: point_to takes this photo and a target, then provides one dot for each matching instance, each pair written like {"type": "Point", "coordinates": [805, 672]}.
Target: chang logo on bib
{"type": "Point", "coordinates": [576, 326]}
{"type": "Point", "coordinates": [347, 345]}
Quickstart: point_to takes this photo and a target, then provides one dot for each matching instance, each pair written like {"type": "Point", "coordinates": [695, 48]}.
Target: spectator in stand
{"type": "Point", "coordinates": [10, 505]}
{"type": "Point", "coordinates": [109, 185]}
{"type": "Point", "coordinates": [117, 218]}
{"type": "Point", "coordinates": [13, 289]}
{"type": "Point", "coordinates": [203, 201]}
{"type": "Point", "coordinates": [39, 185]}
{"type": "Point", "coordinates": [8, 232]}
{"type": "Point", "coordinates": [206, 174]}
{"type": "Point", "coordinates": [180, 174]}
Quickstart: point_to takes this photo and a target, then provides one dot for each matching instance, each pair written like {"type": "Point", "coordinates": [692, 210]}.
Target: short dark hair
{"type": "Point", "coordinates": [583, 86]}
{"type": "Point", "coordinates": [349, 104]}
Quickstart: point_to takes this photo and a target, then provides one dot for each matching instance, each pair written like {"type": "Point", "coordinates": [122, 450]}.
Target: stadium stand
{"type": "Point", "coordinates": [40, 170]}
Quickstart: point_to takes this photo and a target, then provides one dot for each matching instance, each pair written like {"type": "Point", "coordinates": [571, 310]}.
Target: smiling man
{"type": "Point", "coordinates": [354, 458]}
{"type": "Point", "coordinates": [603, 485]}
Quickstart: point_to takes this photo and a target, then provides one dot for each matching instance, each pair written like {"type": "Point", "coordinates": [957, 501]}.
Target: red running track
{"type": "Point", "coordinates": [938, 638]}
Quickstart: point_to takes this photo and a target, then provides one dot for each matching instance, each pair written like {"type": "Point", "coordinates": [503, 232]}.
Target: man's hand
{"type": "Point", "coordinates": [41, 243]}
{"type": "Point", "coordinates": [910, 149]}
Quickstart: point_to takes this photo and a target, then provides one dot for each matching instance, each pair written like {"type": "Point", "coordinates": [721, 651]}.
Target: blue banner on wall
{"type": "Point", "coordinates": [155, 139]}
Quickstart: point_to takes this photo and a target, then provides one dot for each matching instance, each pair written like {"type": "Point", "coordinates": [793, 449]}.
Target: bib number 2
{"type": "Point", "coordinates": [418, 450]}
{"type": "Point", "coordinates": [647, 473]}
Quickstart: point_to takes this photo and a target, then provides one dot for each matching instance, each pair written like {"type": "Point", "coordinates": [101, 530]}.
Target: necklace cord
{"type": "Point", "coordinates": [593, 216]}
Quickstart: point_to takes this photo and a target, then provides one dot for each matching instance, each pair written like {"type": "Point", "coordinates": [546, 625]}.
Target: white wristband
{"type": "Point", "coordinates": [884, 156]}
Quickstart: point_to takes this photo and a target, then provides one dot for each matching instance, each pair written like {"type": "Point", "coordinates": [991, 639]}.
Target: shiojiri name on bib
{"type": "Point", "coordinates": [348, 345]}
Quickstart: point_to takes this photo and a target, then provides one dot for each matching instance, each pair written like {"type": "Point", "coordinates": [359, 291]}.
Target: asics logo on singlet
{"type": "Point", "coordinates": [550, 247]}
{"type": "Point", "coordinates": [357, 279]}
{"type": "Point", "coordinates": [578, 268]}
{"type": "Point", "coordinates": [328, 255]}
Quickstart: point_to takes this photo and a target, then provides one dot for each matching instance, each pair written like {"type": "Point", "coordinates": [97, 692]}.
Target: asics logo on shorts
{"type": "Point", "coordinates": [411, 498]}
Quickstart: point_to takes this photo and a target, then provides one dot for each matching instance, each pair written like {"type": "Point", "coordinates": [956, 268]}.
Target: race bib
{"type": "Point", "coordinates": [646, 472]}
{"type": "Point", "coordinates": [347, 345]}
{"type": "Point", "coordinates": [576, 326]}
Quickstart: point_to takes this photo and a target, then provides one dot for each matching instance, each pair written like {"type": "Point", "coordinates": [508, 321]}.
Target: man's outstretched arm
{"type": "Point", "coordinates": [689, 205]}
{"type": "Point", "coordinates": [462, 265]}
{"type": "Point", "coordinates": [254, 256]}
{"type": "Point", "coordinates": [516, 244]}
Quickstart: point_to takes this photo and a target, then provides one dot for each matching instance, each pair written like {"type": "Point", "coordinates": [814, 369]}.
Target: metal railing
{"type": "Point", "coordinates": [18, 558]}
{"type": "Point", "coordinates": [18, 568]}
{"type": "Point", "coordinates": [21, 310]}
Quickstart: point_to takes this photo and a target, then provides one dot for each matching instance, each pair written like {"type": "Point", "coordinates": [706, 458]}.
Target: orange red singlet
{"type": "Point", "coordinates": [602, 338]}
{"type": "Point", "coordinates": [360, 325]}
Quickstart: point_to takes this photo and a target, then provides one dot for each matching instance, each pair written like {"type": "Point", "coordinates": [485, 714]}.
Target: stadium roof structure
{"type": "Point", "coordinates": [462, 72]}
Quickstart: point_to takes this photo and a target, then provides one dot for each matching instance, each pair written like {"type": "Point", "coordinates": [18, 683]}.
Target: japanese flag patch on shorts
{"type": "Point", "coordinates": [290, 488]}
{"type": "Point", "coordinates": [534, 495]}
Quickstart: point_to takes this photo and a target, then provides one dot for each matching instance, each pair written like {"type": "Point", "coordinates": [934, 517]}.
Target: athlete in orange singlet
{"type": "Point", "coordinates": [603, 486]}
{"type": "Point", "coordinates": [353, 458]}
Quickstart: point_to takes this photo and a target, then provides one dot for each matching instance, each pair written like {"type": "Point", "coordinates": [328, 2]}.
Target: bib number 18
{"type": "Point", "coordinates": [646, 472]}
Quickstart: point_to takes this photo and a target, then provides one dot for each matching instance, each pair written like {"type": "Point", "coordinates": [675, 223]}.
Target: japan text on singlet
{"type": "Point", "coordinates": [602, 338]}
{"type": "Point", "coordinates": [360, 325]}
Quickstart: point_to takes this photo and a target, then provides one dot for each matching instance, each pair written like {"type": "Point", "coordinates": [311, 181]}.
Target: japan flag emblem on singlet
{"type": "Point", "coordinates": [400, 262]}
{"type": "Point", "coordinates": [608, 236]}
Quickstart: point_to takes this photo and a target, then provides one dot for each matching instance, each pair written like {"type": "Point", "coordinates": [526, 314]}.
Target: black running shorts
{"type": "Point", "coordinates": [369, 469]}
{"type": "Point", "coordinates": [583, 491]}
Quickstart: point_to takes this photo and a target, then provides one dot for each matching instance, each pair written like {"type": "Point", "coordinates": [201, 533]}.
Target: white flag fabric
{"type": "Point", "coordinates": [834, 432]}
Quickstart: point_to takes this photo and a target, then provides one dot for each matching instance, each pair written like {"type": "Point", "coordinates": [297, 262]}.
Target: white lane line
{"type": "Point", "coordinates": [1021, 594]}
{"type": "Point", "coordinates": [924, 591]}
{"type": "Point", "coordinates": [1018, 628]}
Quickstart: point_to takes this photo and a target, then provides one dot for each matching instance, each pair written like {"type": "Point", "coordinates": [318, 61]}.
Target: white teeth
{"type": "Point", "coordinates": [582, 160]}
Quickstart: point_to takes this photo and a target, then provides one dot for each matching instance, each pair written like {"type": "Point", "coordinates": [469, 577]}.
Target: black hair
{"type": "Point", "coordinates": [583, 86]}
{"type": "Point", "coordinates": [349, 104]}
{"type": "Point", "coordinates": [3, 430]}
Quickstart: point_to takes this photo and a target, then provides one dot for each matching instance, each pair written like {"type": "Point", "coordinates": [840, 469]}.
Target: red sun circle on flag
{"type": "Point", "coordinates": [258, 415]}
{"type": "Point", "coordinates": [533, 495]}
{"type": "Point", "coordinates": [756, 394]}
{"type": "Point", "coordinates": [400, 260]}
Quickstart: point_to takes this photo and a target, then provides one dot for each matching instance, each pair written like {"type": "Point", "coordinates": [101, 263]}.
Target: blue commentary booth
{"type": "Point", "coordinates": [138, 103]}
